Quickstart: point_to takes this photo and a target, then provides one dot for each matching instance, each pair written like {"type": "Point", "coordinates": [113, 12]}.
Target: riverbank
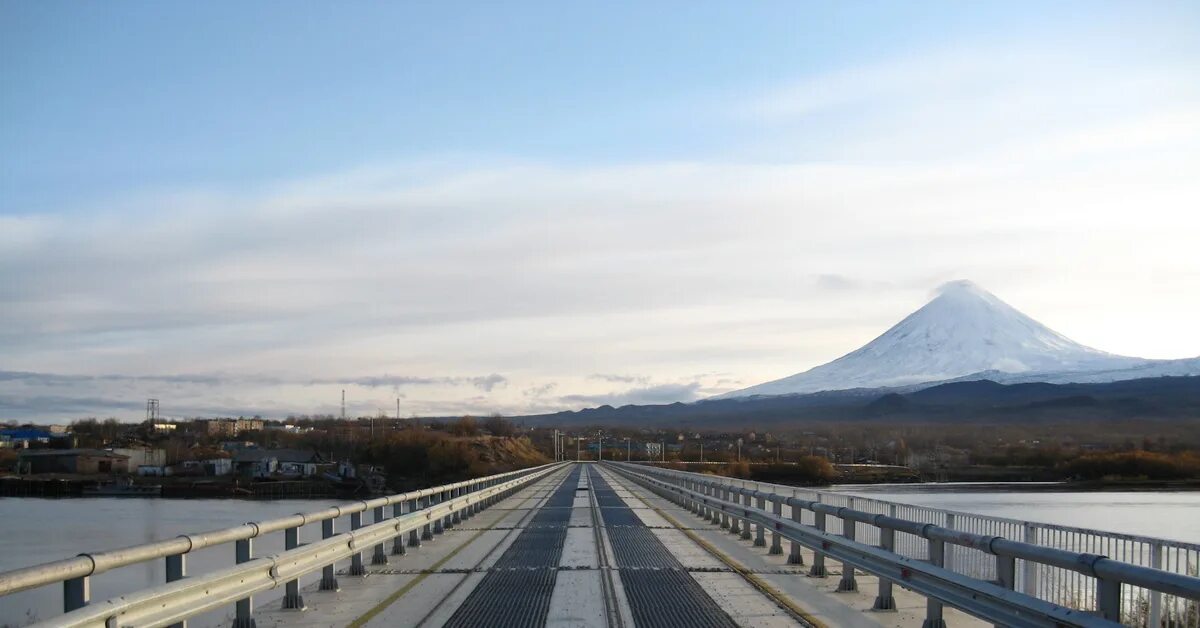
{"type": "Point", "coordinates": [67, 486]}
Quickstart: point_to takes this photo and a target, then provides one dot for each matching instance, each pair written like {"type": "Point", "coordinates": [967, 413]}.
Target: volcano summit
{"type": "Point", "coordinates": [967, 332]}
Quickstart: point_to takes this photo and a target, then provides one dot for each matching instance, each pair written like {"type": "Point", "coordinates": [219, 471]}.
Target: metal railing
{"type": "Point", "coordinates": [421, 514]}
{"type": "Point", "coordinates": [993, 568]}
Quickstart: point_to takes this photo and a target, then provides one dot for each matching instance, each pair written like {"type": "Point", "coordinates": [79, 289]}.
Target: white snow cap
{"type": "Point", "coordinates": [963, 330]}
{"type": "Point", "coordinates": [961, 286]}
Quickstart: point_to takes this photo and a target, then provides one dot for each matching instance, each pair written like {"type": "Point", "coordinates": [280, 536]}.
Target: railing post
{"type": "Point", "coordinates": [448, 518]}
{"type": "Point", "coordinates": [746, 501]}
{"type": "Point", "coordinates": [760, 536]}
{"type": "Point", "coordinates": [1006, 574]}
{"type": "Point", "coordinates": [414, 535]}
{"type": "Point", "coordinates": [455, 494]}
{"type": "Point", "coordinates": [884, 600]}
{"type": "Point", "coordinates": [244, 608]}
{"type": "Point", "coordinates": [176, 568]}
{"type": "Point", "coordinates": [933, 608]}
{"type": "Point", "coordinates": [356, 560]}
{"type": "Point", "coordinates": [328, 579]}
{"type": "Point", "coordinates": [1108, 598]}
{"type": "Point", "coordinates": [736, 525]}
{"type": "Point", "coordinates": [380, 556]}
{"type": "Point", "coordinates": [77, 593]}
{"type": "Point", "coordinates": [434, 500]}
{"type": "Point", "coordinates": [818, 567]}
{"type": "Point", "coordinates": [848, 583]}
{"type": "Point", "coordinates": [794, 556]}
{"type": "Point", "coordinates": [776, 541]}
{"type": "Point", "coordinates": [948, 563]}
{"type": "Point", "coordinates": [398, 542]}
{"type": "Point", "coordinates": [725, 493]}
{"type": "Point", "coordinates": [1030, 586]}
{"type": "Point", "coordinates": [1156, 561]}
{"type": "Point", "coordinates": [291, 597]}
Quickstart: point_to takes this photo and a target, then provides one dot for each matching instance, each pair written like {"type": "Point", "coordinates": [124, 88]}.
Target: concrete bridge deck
{"type": "Point", "coordinates": [587, 547]}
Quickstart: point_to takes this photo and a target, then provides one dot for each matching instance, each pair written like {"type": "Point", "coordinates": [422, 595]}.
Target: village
{"type": "Point", "coordinates": [203, 457]}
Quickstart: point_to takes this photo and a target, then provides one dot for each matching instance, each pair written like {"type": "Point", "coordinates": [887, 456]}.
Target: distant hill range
{"type": "Point", "coordinates": [965, 355]}
{"type": "Point", "coordinates": [1156, 398]}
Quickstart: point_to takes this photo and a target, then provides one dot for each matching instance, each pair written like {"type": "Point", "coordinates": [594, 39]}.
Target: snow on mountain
{"type": "Point", "coordinates": [965, 330]}
{"type": "Point", "coordinates": [1149, 368]}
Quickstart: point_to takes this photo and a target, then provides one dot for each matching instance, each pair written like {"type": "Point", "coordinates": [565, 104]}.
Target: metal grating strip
{"type": "Point", "coordinates": [517, 590]}
{"type": "Point", "coordinates": [661, 593]}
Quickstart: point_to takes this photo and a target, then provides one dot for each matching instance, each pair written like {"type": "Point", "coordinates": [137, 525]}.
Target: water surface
{"type": "Point", "coordinates": [1159, 513]}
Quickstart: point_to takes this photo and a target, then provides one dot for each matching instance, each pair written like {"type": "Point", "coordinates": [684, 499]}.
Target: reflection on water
{"type": "Point", "coordinates": [1165, 514]}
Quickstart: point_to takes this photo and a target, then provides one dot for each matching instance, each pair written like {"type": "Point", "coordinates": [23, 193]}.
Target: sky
{"type": "Point", "coordinates": [246, 208]}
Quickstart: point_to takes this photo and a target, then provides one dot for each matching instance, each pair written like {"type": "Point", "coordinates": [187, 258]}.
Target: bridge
{"type": "Point", "coordinates": [617, 544]}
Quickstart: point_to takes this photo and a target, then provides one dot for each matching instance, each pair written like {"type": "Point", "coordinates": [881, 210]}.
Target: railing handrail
{"type": "Point", "coordinates": [846, 548]}
{"type": "Point", "coordinates": [89, 564]}
{"type": "Point", "coordinates": [176, 601]}
{"type": "Point", "coordinates": [1184, 545]}
{"type": "Point", "coordinates": [1087, 564]}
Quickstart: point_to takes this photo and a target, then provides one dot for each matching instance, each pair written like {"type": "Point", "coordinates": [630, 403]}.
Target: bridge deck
{"type": "Point", "coordinates": [585, 547]}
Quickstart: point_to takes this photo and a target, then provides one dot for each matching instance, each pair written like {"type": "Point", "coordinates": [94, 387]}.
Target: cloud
{"type": "Point", "coordinates": [798, 244]}
{"type": "Point", "coordinates": [620, 379]}
{"type": "Point", "coordinates": [489, 382]}
{"type": "Point", "coordinates": [58, 379]}
{"type": "Point", "coordinates": [484, 382]}
{"type": "Point", "coordinates": [657, 394]}
{"type": "Point", "coordinates": [541, 391]}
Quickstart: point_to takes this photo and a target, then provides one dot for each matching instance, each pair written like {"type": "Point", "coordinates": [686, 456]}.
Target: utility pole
{"type": "Point", "coordinates": [397, 409]}
{"type": "Point", "coordinates": [599, 446]}
{"type": "Point", "coordinates": [701, 452]}
{"type": "Point", "coordinates": [739, 450]}
{"type": "Point", "coordinates": [628, 449]}
{"type": "Point", "coordinates": [343, 404]}
{"type": "Point", "coordinates": [577, 450]}
{"type": "Point", "coordinates": [664, 450]}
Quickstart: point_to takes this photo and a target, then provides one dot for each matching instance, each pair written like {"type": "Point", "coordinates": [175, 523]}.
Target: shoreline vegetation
{"type": "Point", "coordinates": [402, 454]}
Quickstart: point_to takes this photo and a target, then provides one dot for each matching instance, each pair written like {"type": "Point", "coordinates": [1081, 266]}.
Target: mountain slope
{"type": "Point", "coordinates": [1155, 398]}
{"type": "Point", "coordinates": [965, 330]}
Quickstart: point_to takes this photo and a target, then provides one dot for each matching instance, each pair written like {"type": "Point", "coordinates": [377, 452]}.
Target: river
{"type": "Point", "coordinates": [1159, 513]}
{"type": "Point", "coordinates": [37, 530]}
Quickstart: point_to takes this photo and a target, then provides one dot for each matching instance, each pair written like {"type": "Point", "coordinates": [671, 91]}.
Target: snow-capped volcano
{"type": "Point", "coordinates": [963, 331]}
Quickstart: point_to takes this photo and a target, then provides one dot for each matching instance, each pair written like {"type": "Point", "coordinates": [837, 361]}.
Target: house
{"type": "Point", "coordinates": [263, 463]}
{"type": "Point", "coordinates": [23, 437]}
{"type": "Point", "coordinates": [218, 427]}
{"type": "Point", "coordinates": [206, 466]}
{"type": "Point", "coordinates": [147, 470]}
{"type": "Point", "coordinates": [230, 427]}
{"type": "Point", "coordinates": [142, 456]}
{"type": "Point", "coordinates": [72, 461]}
{"type": "Point", "coordinates": [255, 463]}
